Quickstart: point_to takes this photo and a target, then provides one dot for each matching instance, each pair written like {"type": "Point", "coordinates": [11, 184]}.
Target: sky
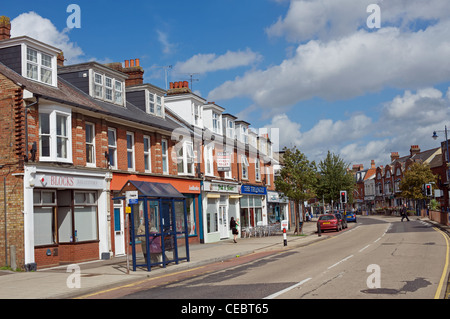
{"type": "Point", "coordinates": [321, 75]}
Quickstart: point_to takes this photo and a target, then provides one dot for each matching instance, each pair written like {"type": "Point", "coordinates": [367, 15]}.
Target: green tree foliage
{"type": "Point", "coordinates": [413, 180]}
{"type": "Point", "coordinates": [333, 177]}
{"type": "Point", "coordinates": [297, 179]}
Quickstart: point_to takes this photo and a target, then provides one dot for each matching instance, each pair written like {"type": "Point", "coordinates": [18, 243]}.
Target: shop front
{"type": "Point", "coordinates": [65, 216]}
{"type": "Point", "coordinates": [221, 203]}
{"type": "Point", "coordinates": [189, 188]}
{"type": "Point", "coordinates": [253, 204]}
{"type": "Point", "coordinates": [278, 207]}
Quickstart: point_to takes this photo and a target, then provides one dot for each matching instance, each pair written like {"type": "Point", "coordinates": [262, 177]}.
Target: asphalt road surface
{"type": "Point", "coordinates": [376, 259]}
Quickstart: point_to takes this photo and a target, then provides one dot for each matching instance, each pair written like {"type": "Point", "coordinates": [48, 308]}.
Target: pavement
{"type": "Point", "coordinates": [61, 282]}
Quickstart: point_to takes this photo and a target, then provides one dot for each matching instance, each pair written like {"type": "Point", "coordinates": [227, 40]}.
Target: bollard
{"type": "Point", "coordinates": [284, 237]}
{"type": "Point", "coordinates": [319, 231]}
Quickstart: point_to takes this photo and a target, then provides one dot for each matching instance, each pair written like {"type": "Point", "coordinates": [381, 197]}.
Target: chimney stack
{"type": "Point", "coordinates": [415, 149]}
{"type": "Point", "coordinates": [394, 156]}
{"type": "Point", "coordinates": [178, 87]}
{"type": "Point", "coordinates": [5, 28]}
{"type": "Point", "coordinates": [372, 164]}
{"type": "Point", "coordinates": [134, 71]}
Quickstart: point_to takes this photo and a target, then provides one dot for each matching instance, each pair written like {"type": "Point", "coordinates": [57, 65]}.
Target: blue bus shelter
{"type": "Point", "coordinates": [158, 224]}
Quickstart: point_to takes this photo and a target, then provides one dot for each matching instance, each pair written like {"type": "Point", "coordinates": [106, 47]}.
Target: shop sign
{"type": "Point", "coordinates": [220, 188]}
{"type": "Point", "coordinates": [253, 190]}
{"type": "Point", "coordinates": [223, 161]}
{"type": "Point", "coordinates": [68, 181]}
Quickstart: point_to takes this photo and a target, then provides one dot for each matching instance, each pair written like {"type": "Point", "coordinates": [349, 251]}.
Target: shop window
{"type": "Point", "coordinates": [212, 216]}
{"type": "Point", "coordinates": [85, 216]}
{"type": "Point", "coordinates": [44, 217]}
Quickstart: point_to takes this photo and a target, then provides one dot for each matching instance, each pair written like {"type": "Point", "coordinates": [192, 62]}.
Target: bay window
{"type": "Point", "coordinates": [55, 134]}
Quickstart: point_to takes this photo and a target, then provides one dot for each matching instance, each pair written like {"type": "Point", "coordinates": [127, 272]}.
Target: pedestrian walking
{"type": "Point", "coordinates": [234, 228]}
{"type": "Point", "coordinates": [404, 213]}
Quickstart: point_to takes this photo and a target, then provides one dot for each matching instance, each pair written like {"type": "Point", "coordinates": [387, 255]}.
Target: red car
{"type": "Point", "coordinates": [329, 221]}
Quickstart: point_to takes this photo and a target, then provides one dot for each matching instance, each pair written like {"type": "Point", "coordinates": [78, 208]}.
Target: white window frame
{"type": "Point", "coordinates": [186, 159]}
{"type": "Point", "coordinates": [244, 167]}
{"type": "Point", "coordinates": [131, 151]}
{"type": "Point", "coordinates": [39, 65]}
{"type": "Point", "coordinates": [268, 181]}
{"type": "Point", "coordinates": [209, 160]}
{"type": "Point", "coordinates": [155, 104]}
{"type": "Point", "coordinates": [113, 147]}
{"type": "Point", "coordinates": [148, 154]}
{"type": "Point", "coordinates": [99, 80]}
{"type": "Point", "coordinates": [90, 144]}
{"type": "Point", "coordinates": [230, 129]}
{"type": "Point", "coordinates": [257, 170]}
{"type": "Point", "coordinates": [216, 120]}
{"type": "Point", "coordinates": [165, 155]}
{"type": "Point", "coordinates": [55, 111]}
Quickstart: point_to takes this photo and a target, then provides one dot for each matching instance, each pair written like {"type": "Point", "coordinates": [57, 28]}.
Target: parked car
{"type": "Point", "coordinates": [329, 222]}
{"type": "Point", "coordinates": [351, 217]}
{"type": "Point", "coordinates": [343, 220]}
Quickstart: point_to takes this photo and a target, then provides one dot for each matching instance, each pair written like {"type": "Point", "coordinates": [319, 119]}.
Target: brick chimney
{"type": "Point", "coordinates": [134, 71]}
{"type": "Point", "coordinates": [372, 164]}
{"type": "Point", "coordinates": [415, 149]}
{"type": "Point", "coordinates": [394, 156]}
{"type": "Point", "coordinates": [60, 59]}
{"type": "Point", "coordinates": [5, 28]}
{"type": "Point", "coordinates": [179, 88]}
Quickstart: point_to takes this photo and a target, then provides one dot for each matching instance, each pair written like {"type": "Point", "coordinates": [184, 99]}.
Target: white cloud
{"type": "Point", "coordinates": [163, 38]}
{"type": "Point", "coordinates": [325, 19]}
{"type": "Point", "coordinates": [203, 63]}
{"type": "Point", "coordinates": [348, 67]}
{"type": "Point", "coordinates": [33, 25]}
{"type": "Point", "coordinates": [408, 119]}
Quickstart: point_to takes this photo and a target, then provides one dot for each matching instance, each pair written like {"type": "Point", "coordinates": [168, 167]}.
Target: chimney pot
{"type": "Point", "coordinates": [186, 84]}
{"type": "Point", "coordinates": [171, 85]}
{"type": "Point", "coordinates": [137, 62]}
{"type": "Point", "coordinates": [131, 63]}
{"type": "Point", "coordinates": [127, 63]}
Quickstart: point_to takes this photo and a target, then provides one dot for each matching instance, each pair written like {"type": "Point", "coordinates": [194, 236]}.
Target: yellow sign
{"type": "Point", "coordinates": [128, 210]}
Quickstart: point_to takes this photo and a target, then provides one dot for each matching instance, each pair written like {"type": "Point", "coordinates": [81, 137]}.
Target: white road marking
{"type": "Point", "coordinates": [346, 258]}
{"type": "Point", "coordinates": [273, 296]}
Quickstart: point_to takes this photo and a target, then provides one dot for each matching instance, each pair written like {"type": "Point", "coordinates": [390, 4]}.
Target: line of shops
{"type": "Point", "coordinates": [70, 215]}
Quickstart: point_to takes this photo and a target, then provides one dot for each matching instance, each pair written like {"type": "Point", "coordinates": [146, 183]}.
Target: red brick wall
{"type": "Point", "coordinates": [11, 157]}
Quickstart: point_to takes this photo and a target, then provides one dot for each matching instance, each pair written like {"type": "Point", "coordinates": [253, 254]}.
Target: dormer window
{"type": "Point", "coordinates": [155, 104]}
{"type": "Point", "coordinates": [39, 66]}
{"type": "Point", "coordinates": [108, 89]}
{"type": "Point", "coordinates": [216, 123]}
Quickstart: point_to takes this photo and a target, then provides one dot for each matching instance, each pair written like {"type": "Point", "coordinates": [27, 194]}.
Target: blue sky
{"type": "Point", "coordinates": [312, 69]}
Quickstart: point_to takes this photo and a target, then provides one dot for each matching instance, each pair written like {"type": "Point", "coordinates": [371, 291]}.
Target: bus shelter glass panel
{"type": "Point", "coordinates": [181, 229]}
{"type": "Point", "coordinates": [169, 232]}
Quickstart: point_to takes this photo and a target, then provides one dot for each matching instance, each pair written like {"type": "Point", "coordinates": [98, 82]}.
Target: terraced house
{"type": "Point", "coordinates": [74, 135]}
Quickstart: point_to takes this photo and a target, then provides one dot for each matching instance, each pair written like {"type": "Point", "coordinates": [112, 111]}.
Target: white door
{"type": "Point", "coordinates": [223, 222]}
{"type": "Point", "coordinates": [119, 233]}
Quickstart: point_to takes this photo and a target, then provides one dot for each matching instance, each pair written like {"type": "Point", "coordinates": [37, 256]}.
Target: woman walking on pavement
{"type": "Point", "coordinates": [233, 227]}
{"type": "Point", "coordinates": [404, 213]}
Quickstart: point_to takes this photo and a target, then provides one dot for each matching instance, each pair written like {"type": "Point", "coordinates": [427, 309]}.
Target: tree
{"type": "Point", "coordinates": [333, 177]}
{"type": "Point", "coordinates": [413, 180]}
{"type": "Point", "coordinates": [296, 180]}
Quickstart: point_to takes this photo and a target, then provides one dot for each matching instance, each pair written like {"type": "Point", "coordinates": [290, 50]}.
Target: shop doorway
{"type": "Point", "coordinates": [119, 233]}
{"type": "Point", "coordinates": [223, 222]}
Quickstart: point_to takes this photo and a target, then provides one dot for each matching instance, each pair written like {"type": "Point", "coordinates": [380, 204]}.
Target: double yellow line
{"type": "Point", "coordinates": [444, 273]}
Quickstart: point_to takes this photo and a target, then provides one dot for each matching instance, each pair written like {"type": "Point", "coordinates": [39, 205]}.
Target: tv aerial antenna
{"type": "Point", "coordinates": [166, 71]}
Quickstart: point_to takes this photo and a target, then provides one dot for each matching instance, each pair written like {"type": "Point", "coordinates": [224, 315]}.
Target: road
{"type": "Point", "coordinates": [377, 258]}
